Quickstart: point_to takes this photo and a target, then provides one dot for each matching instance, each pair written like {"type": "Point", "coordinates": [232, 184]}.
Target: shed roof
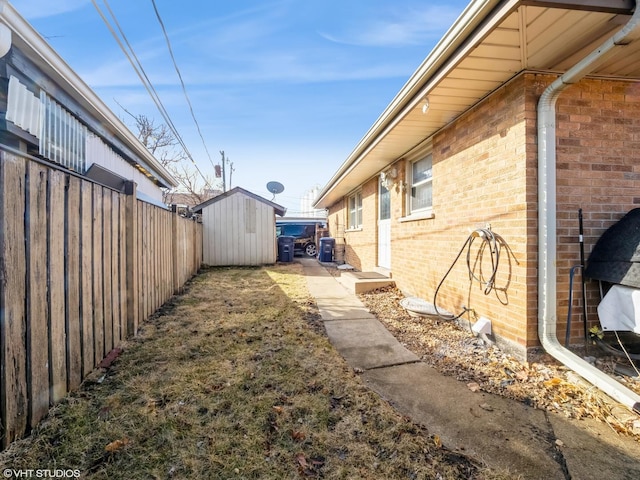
{"type": "Point", "coordinates": [491, 42]}
{"type": "Point", "coordinates": [280, 210]}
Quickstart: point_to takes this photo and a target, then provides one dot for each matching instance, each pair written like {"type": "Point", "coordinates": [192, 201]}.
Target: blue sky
{"type": "Point", "coordinates": [286, 88]}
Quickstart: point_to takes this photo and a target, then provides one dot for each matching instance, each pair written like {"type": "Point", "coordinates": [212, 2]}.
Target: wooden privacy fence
{"type": "Point", "coordinates": [81, 266]}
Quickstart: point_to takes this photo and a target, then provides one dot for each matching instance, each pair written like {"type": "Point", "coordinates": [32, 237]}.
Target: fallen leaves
{"type": "Point", "coordinates": [473, 386]}
{"type": "Point", "coordinates": [298, 436]}
{"type": "Point", "coordinates": [301, 459]}
{"type": "Point", "coordinates": [452, 350]}
{"type": "Point", "coordinates": [116, 445]}
{"type": "Point", "coordinates": [311, 467]}
{"type": "Point", "coordinates": [554, 382]}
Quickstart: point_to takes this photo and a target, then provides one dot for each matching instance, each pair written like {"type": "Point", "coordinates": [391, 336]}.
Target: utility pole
{"type": "Point", "coordinates": [231, 170]}
{"type": "Point", "coordinates": [224, 178]}
{"type": "Point", "coordinates": [225, 161]}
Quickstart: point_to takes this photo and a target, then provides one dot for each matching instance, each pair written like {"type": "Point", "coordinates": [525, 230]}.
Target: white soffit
{"type": "Point", "coordinates": [528, 37]}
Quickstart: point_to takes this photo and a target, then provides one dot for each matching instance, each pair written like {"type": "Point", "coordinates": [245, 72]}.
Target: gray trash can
{"type": "Point", "coordinates": [285, 248]}
{"type": "Point", "coordinates": [326, 249]}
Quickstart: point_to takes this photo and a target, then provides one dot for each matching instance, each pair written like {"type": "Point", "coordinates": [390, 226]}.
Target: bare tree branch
{"type": "Point", "coordinates": [162, 144]}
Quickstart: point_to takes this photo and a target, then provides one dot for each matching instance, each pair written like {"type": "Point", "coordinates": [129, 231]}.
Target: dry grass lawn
{"type": "Point", "coordinates": [234, 379]}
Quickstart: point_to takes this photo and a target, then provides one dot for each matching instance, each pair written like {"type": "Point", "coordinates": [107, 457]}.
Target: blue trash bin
{"type": "Point", "coordinates": [326, 249]}
{"type": "Point", "coordinates": [285, 248]}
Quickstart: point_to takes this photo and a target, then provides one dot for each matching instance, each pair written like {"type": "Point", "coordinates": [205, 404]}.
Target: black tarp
{"type": "Point", "coordinates": [616, 255]}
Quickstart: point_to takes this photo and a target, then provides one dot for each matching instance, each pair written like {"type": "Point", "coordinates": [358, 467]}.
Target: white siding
{"type": "Point", "coordinates": [23, 107]}
{"type": "Point", "coordinates": [64, 140]}
{"type": "Point", "coordinates": [239, 230]}
{"type": "Point", "coordinates": [100, 153]}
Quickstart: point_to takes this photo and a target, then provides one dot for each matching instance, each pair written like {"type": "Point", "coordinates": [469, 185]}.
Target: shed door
{"type": "Point", "coordinates": [384, 227]}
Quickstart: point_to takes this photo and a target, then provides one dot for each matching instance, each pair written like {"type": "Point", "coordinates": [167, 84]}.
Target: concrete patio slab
{"type": "Point", "coordinates": [327, 287]}
{"type": "Point", "coordinates": [360, 282]}
{"type": "Point", "coordinates": [366, 344]}
{"type": "Point", "coordinates": [338, 308]}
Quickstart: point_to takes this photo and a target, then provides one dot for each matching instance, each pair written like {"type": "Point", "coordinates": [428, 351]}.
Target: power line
{"type": "Point", "coordinates": [184, 88]}
{"type": "Point", "coordinates": [139, 69]}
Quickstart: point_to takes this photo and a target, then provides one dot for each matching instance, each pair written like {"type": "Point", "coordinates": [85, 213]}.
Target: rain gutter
{"type": "Point", "coordinates": [547, 230]}
{"type": "Point", "coordinates": [414, 90]}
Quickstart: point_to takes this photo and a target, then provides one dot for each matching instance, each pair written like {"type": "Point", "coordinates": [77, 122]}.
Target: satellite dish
{"type": "Point", "coordinates": [275, 188]}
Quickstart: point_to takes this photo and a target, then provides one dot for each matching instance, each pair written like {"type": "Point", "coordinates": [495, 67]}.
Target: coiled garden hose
{"type": "Point", "coordinates": [494, 243]}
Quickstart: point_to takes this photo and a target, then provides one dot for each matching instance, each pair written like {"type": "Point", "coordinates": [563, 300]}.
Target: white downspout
{"type": "Point", "coordinates": [547, 218]}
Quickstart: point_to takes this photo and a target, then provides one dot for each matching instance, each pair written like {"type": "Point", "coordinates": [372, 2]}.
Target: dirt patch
{"type": "Point", "coordinates": [234, 379]}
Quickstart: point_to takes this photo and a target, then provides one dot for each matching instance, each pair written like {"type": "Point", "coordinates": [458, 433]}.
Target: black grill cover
{"type": "Point", "coordinates": [616, 255]}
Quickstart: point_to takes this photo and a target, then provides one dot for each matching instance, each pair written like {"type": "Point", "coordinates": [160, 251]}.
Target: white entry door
{"type": "Point", "coordinates": [384, 226]}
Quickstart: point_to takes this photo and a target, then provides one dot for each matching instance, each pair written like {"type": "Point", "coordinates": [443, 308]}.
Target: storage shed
{"type": "Point", "coordinates": [239, 228]}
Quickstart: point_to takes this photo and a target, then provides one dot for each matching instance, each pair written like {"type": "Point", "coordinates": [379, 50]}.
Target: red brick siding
{"type": "Point", "coordinates": [479, 178]}
{"type": "Point", "coordinates": [361, 243]}
{"type": "Point", "coordinates": [336, 223]}
{"type": "Point", "coordinates": [598, 170]}
{"type": "Point", "coordinates": [485, 172]}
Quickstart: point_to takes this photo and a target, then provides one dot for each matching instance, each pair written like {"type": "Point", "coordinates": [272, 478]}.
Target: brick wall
{"type": "Point", "coordinates": [360, 244]}
{"type": "Point", "coordinates": [479, 178]}
{"type": "Point", "coordinates": [485, 173]}
{"type": "Point", "coordinates": [598, 170]}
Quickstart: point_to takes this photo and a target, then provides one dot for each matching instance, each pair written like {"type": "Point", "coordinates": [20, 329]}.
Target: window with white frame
{"type": "Point", "coordinates": [354, 211]}
{"type": "Point", "coordinates": [421, 193]}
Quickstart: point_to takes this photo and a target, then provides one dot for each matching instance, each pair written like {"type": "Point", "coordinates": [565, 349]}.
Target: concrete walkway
{"type": "Point", "coordinates": [503, 433]}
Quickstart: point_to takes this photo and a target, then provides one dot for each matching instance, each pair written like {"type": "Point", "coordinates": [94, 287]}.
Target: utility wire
{"type": "Point", "coordinates": [140, 71]}
{"type": "Point", "coordinates": [137, 66]}
{"type": "Point", "coordinates": [184, 88]}
{"type": "Point", "coordinates": [142, 75]}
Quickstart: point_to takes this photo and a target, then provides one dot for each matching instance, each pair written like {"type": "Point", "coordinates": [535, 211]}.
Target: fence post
{"type": "Point", "coordinates": [174, 250]}
{"type": "Point", "coordinates": [198, 239]}
{"type": "Point", "coordinates": [131, 252]}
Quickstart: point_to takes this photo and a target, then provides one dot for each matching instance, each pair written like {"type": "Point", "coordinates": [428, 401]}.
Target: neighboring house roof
{"type": "Point", "coordinates": [490, 43]}
{"type": "Point", "coordinates": [30, 42]}
{"type": "Point", "coordinates": [280, 210]}
{"type": "Point", "coordinates": [190, 199]}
